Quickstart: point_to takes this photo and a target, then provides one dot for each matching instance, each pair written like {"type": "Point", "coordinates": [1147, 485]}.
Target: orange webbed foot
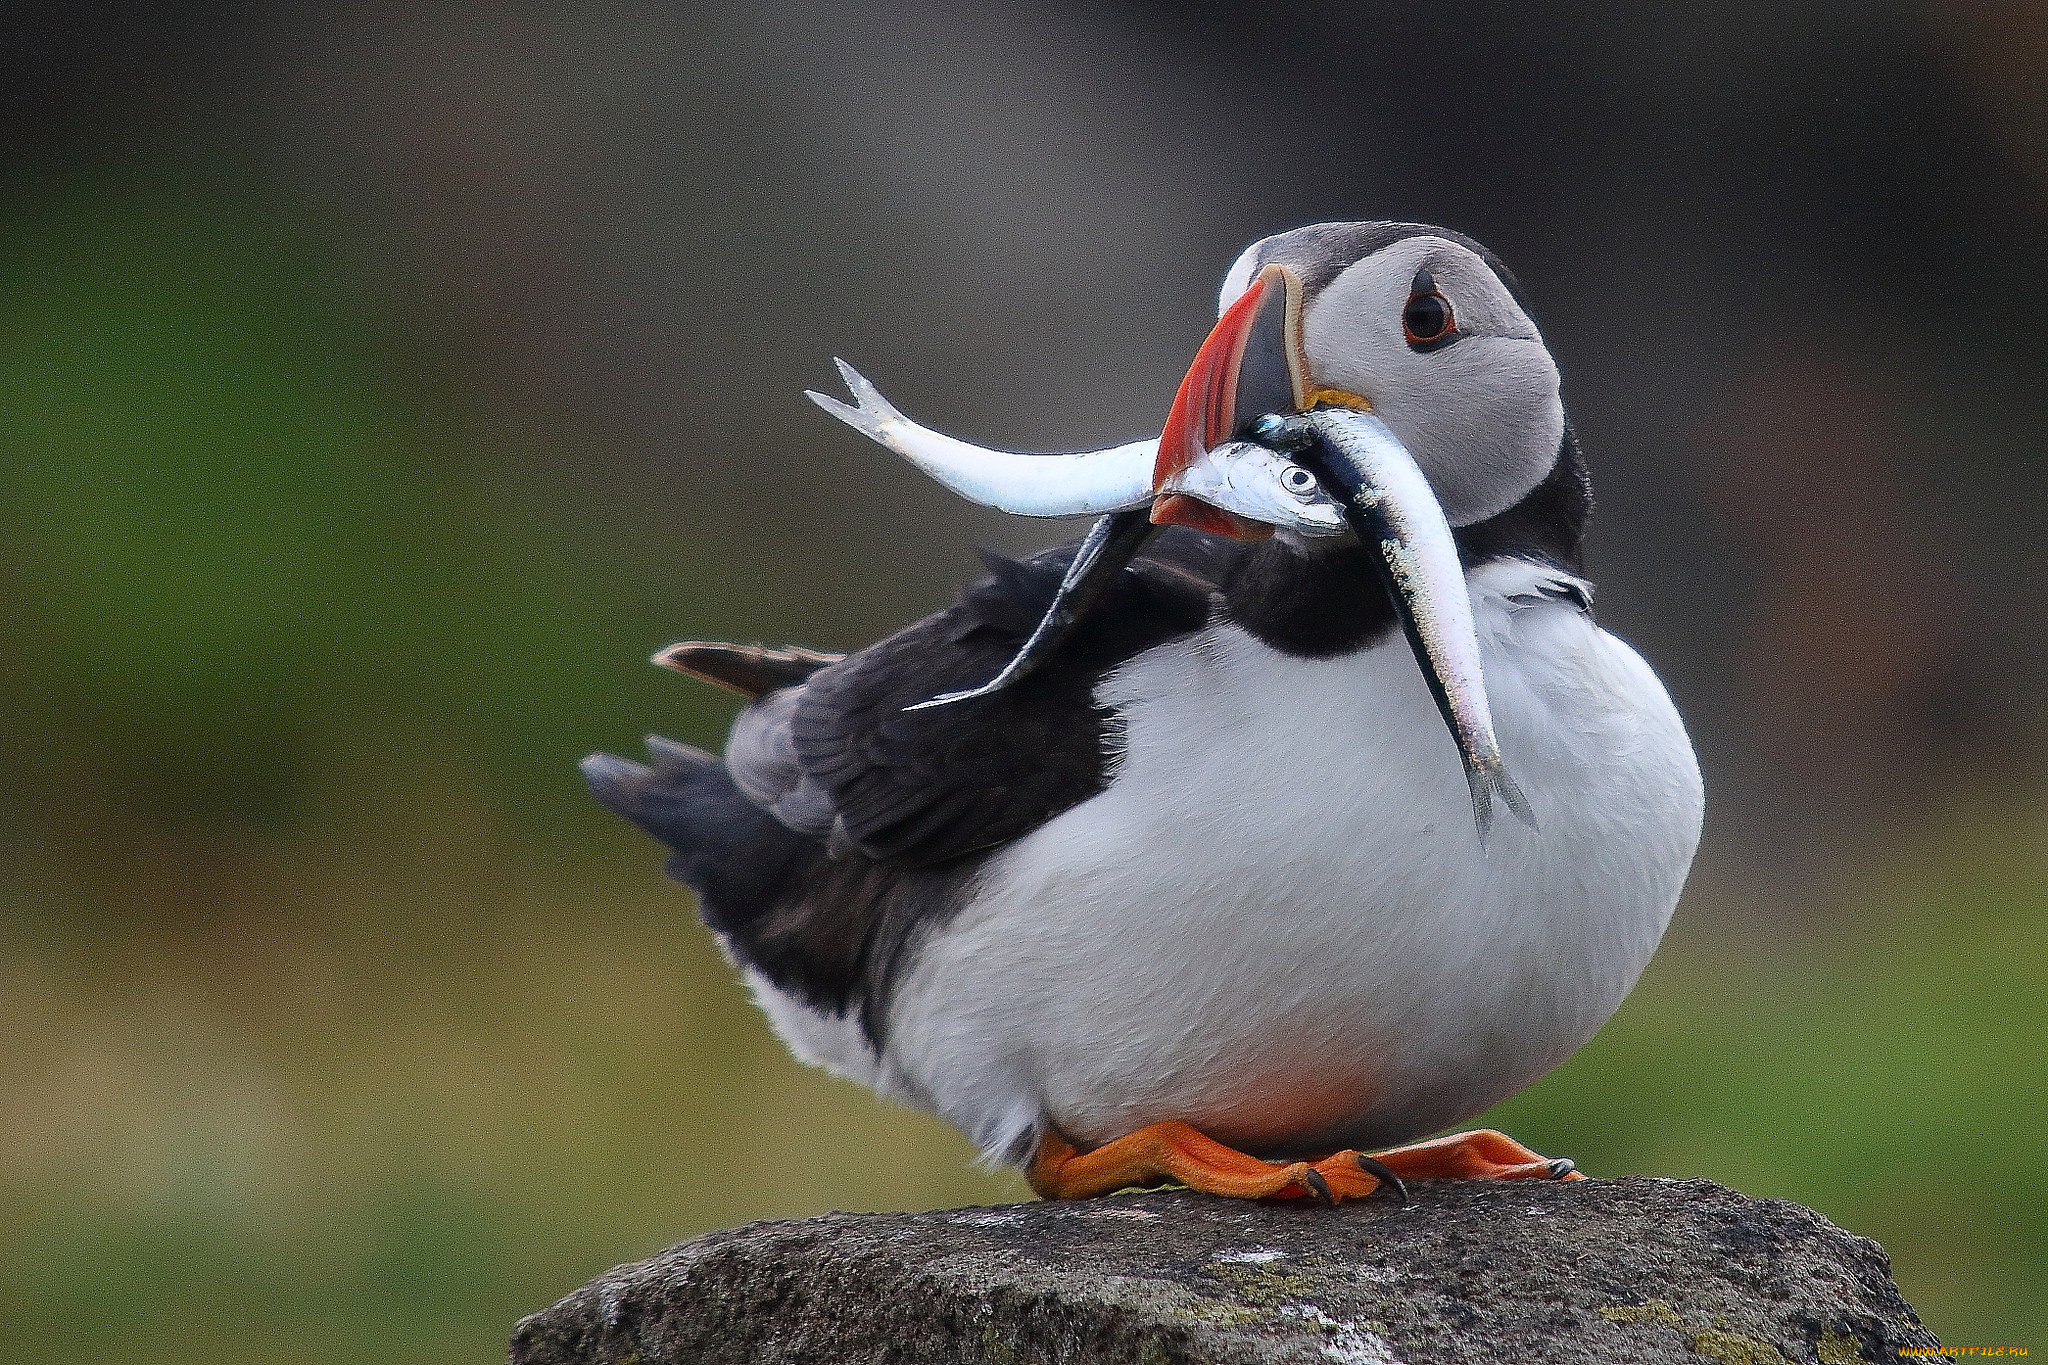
{"type": "Point", "coordinates": [1180, 1154]}
{"type": "Point", "coordinates": [1177, 1153]}
{"type": "Point", "coordinates": [1481, 1154]}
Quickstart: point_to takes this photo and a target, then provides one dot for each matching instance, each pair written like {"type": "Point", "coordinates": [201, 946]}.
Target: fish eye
{"type": "Point", "coordinates": [1297, 481]}
{"type": "Point", "coordinates": [1427, 321]}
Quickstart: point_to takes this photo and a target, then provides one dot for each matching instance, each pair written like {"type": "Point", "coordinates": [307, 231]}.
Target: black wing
{"type": "Point", "coordinates": [924, 787]}
{"type": "Point", "coordinates": [838, 824]}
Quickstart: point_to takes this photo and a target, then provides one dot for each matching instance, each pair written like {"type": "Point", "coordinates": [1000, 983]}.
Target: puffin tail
{"type": "Point", "coordinates": [721, 845]}
{"type": "Point", "coordinates": [753, 671]}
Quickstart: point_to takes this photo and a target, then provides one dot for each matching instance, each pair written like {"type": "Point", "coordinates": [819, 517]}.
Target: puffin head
{"type": "Point", "coordinates": [1418, 325]}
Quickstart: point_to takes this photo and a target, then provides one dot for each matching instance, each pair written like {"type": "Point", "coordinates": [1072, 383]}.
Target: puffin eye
{"type": "Point", "coordinates": [1297, 481]}
{"type": "Point", "coordinates": [1427, 321]}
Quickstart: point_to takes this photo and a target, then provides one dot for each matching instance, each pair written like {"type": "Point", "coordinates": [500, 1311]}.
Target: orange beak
{"type": "Point", "coordinates": [1265, 322]}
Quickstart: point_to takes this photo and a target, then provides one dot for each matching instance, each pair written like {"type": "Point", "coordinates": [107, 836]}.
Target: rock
{"type": "Point", "coordinates": [1620, 1271]}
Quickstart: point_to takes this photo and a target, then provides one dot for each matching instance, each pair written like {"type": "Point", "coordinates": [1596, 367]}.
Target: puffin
{"type": "Point", "coordinates": [1162, 857]}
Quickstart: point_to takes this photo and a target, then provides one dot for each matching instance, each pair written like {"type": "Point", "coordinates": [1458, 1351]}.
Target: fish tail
{"type": "Point", "coordinates": [1512, 794]}
{"type": "Point", "coordinates": [874, 414]}
{"type": "Point", "coordinates": [1488, 781]}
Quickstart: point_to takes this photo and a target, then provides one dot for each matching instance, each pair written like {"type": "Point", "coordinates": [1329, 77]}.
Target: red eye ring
{"type": "Point", "coordinates": [1427, 320]}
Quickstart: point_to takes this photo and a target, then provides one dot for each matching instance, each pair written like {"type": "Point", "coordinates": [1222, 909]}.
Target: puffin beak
{"type": "Point", "coordinates": [1251, 364]}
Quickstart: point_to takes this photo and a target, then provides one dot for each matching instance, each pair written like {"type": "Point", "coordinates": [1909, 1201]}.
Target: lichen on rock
{"type": "Point", "coordinates": [1620, 1271]}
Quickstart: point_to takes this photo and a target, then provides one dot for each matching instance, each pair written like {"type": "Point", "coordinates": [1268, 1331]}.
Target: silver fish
{"type": "Point", "coordinates": [1090, 482]}
{"type": "Point", "coordinates": [1248, 479]}
{"type": "Point", "coordinates": [1391, 505]}
{"type": "Point", "coordinates": [1261, 484]}
{"type": "Point", "coordinates": [1102, 556]}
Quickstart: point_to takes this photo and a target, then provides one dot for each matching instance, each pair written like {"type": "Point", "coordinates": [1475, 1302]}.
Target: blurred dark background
{"type": "Point", "coordinates": [380, 384]}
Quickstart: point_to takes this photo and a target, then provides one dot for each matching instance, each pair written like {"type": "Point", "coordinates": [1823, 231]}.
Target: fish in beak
{"type": "Point", "coordinates": [1251, 442]}
{"type": "Point", "coordinates": [1258, 487]}
{"type": "Point", "coordinates": [1251, 378]}
{"type": "Point", "coordinates": [1250, 484]}
{"type": "Point", "coordinates": [1243, 489]}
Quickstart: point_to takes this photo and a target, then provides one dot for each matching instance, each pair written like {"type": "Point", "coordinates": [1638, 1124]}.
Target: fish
{"type": "Point", "coordinates": [1105, 552]}
{"type": "Point", "coordinates": [1243, 477]}
{"type": "Point", "coordinates": [1261, 484]}
{"type": "Point", "coordinates": [1251, 480]}
{"type": "Point", "coordinates": [1389, 504]}
{"type": "Point", "coordinates": [1025, 485]}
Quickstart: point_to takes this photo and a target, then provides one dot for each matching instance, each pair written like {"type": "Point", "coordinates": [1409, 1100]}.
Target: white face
{"type": "Point", "coordinates": [1481, 414]}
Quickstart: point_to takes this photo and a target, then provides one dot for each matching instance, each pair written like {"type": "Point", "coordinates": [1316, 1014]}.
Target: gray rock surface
{"type": "Point", "coordinates": [1620, 1271]}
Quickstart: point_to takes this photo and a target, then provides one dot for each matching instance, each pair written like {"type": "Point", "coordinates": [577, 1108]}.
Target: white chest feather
{"type": "Point", "coordinates": [1278, 922]}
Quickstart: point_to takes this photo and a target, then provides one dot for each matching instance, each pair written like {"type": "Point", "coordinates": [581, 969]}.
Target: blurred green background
{"type": "Point", "coordinates": [379, 385]}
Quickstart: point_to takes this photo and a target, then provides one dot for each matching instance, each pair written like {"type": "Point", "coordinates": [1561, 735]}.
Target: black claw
{"type": "Point", "coordinates": [1562, 1166]}
{"type": "Point", "coordinates": [1318, 1186]}
{"type": "Point", "coordinates": [1385, 1175]}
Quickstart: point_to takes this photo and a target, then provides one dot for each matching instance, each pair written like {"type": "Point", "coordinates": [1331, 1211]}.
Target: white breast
{"type": "Point", "coordinates": [1278, 923]}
